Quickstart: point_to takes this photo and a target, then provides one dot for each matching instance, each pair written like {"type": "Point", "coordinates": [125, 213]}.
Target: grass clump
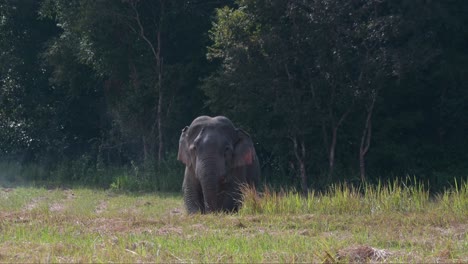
{"type": "Point", "coordinates": [455, 200]}
{"type": "Point", "coordinates": [395, 196]}
{"type": "Point", "coordinates": [399, 196]}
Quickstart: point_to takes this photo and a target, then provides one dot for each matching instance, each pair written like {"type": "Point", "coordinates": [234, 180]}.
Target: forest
{"type": "Point", "coordinates": [98, 91]}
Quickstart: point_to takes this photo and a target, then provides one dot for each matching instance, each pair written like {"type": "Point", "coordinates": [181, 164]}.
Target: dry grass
{"type": "Point", "coordinates": [82, 225]}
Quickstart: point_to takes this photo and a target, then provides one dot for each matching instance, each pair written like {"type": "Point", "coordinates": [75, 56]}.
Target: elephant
{"type": "Point", "coordinates": [219, 159]}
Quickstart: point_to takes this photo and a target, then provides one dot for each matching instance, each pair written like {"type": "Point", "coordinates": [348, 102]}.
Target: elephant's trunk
{"type": "Point", "coordinates": [210, 173]}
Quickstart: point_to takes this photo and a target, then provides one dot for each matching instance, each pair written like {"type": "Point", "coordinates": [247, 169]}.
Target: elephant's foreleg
{"type": "Point", "coordinates": [193, 196]}
{"type": "Point", "coordinates": [232, 198]}
{"type": "Point", "coordinates": [210, 194]}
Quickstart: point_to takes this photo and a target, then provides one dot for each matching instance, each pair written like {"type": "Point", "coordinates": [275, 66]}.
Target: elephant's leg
{"type": "Point", "coordinates": [231, 197]}
{"type": "Point", "coordinates": [193, 196]}
{"type": "Point", "coordinates": [238, 181]}
{"type": "Point", "coordinates": [229, 203]}
{"type": "Point", "coordinates": [211, 196]}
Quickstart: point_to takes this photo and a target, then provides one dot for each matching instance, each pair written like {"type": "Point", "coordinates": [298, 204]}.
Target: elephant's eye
{"type": "Point", "coordinates": [193, 148]}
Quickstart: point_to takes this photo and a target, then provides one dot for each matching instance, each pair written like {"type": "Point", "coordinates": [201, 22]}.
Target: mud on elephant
{"type": "Point", "coordinates": [219, 159]}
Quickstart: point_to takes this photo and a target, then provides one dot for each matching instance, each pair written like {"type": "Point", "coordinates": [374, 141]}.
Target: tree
{"type": "Point", "coordinates": [315, 61]}
{"type": "Point", "coordinates": [331, 90]}
{"type": "Point", "coordinates": [130, 47]}
{"type": "Point", "coordinates": [27, 104]}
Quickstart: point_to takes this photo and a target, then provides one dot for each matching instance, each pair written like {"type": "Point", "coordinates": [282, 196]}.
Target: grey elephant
{"type": "Point", "coordinates": [219, 159]}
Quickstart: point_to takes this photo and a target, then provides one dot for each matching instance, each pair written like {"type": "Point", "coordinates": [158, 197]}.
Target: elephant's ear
{"type": "Point", "coordinates": [244, 151]}
{"type": "Point", "coordinates": [183, 154]}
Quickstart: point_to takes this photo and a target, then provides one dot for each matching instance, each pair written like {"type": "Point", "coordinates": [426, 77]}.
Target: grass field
{"type": "Point", "coordinates": [385, 223]}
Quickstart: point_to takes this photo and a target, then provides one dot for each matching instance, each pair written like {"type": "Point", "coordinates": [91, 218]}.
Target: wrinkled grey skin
{"type": "Point", "coordinates": [219, 159]}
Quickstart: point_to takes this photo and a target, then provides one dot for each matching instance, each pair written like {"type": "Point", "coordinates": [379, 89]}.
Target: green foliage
{"type": "Point", "coordinates": [25, 95]}
{"type": "Point", "coordinates": [81, 82]}
{"type": "Point", "coordinates": [308, 72]}
{"type": "Point", "coordinates": [84, 172]}
{"type": "Point", "coordinates": [149, 178]}
{"type": "Point", "coordinates": [302, 68]}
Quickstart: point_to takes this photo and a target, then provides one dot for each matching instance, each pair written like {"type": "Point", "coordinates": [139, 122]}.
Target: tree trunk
{"type": "Point", "coordinates": [145, 148]}
{"type": "Point", "coordinates": [362, 153]}
{"type": "Point", "coordinates": [331, 157]}
{"type": "Point", "coordinates": [299, 149]}
{"type": "Point", "coordinates": [365, 139]}
{"type": "Point", "coordinates": [322, 118]}
{"type": "Point", "coordinates": [160, 93]}
{"type": "Point", "coordinates": [300, 152]}
{"type": "Point", "coordinates": [159, 66]}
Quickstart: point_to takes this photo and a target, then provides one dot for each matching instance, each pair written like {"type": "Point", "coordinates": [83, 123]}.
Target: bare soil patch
{"type": "Point", "coordinates": [101, 207]}
{"type": "Point", "coordinates": [34, 203]}
{"type": "Point", "coordinates": [362, 253]}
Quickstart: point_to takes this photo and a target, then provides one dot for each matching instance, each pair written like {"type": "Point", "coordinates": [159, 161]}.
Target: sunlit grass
{"type": "Point", "coordinates": [455, 200]}
{"type": "Point", "coordinates": [15, 199]}
{"type": "Point", "coordinates": [395, 196]}
{"type": "Point", "coordinates": [398, 220]}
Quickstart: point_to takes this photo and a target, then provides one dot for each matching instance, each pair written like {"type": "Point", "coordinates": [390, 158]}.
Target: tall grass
{"type": "Point", "coordinates": [404, 196]}
{"type": "Point", "coordinates": [456, 198]}
{"type": "Point", "coordinates": [393, 196]}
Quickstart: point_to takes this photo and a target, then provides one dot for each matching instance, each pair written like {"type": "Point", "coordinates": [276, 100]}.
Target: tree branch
{"type": "Point", "coordinates": [142, 30]}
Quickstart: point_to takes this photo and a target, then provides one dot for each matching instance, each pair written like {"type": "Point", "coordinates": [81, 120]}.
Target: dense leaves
{"type": "Point", "coordinates": [330, 90]}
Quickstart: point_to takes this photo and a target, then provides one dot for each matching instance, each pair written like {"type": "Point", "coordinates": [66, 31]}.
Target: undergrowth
{"type": "Point", "coordinates": [392, 196]}
{"type": "Point", "coordinates": [135, 177]}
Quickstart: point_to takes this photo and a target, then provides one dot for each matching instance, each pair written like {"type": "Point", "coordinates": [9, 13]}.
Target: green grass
{"type": "Point", "coordinates": [396, 222]}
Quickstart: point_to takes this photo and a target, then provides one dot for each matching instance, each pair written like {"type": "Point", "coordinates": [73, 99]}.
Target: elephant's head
{"type": "Point", "coordinates": [212, 149]}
